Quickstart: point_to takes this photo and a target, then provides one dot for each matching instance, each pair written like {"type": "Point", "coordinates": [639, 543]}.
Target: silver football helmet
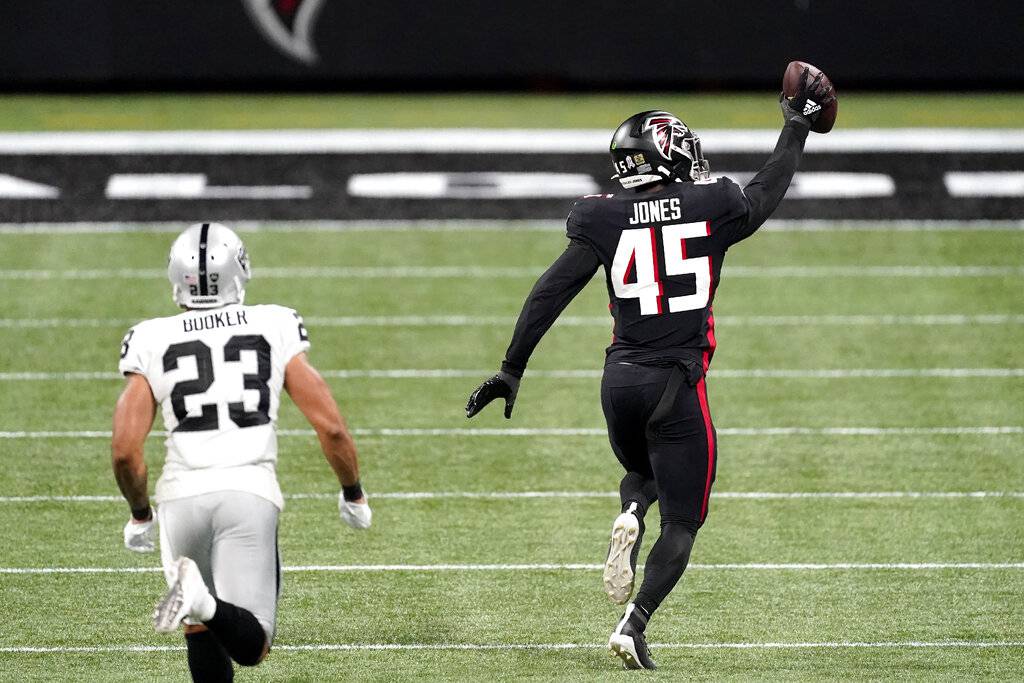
{"type": "Point", "coordinates": [208, 267]}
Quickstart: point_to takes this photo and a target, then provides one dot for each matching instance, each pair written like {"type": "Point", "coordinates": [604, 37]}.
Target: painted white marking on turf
{"type": "Point", "coordinates": [495, 225]}
{"type": "Point", "coordinates": [332, 226]}
{"type": "Point", "coordinates": [362, 647]}
{"type": "Point", "coordinates": [311, 273]}
{"type": "Point", "coordinates": [576, 495]}
{"type": "Point", "coordinates": [869, 271]}
{"type": "Point", "coordinates": [194, 186]}
{"type": "Point", "coordinates": [318, 647]}
{"type": "Point", "coordinates": [570, 321]}
{"type": "Point", "coordinates": [985, 184]}
{"type": "Point", "coordinates": [49, 323]}
{"type": "Point", "coordinates": [451, 272]}
{"type": "Point", "coordinates": [806, 185]}
{"type": "Point", "coordinates": [445, 373]}
{"type": "Point", "coordinates": [575, 431]}
{"type": "Point", "coordinates": [840, 185]}
{"type": "Point", "coordinates": [829, 185]}
{"type": "Point", "coordinates": [867, 373]}
{"type": "Point", "coordinates": [482, 141]}
{"type": "Point", "coordinates": [12, 187]}
{"type": "Point", "coordinates": [471, 185]}
{"type": "Point", "coordinates": [528, 567]}
{"type": "Point", "coordinates": [896, 225]}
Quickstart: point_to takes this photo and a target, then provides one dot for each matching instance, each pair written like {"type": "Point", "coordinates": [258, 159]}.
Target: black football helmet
{"type": "Point", "coordinates": [656, 147]}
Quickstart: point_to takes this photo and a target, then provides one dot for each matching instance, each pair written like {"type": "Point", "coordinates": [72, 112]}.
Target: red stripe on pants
{"type": "Point", "coordinates": [702, 395]}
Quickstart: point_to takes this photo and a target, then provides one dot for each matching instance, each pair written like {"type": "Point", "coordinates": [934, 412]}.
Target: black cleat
{"type": "Point", "coordinates": [627, 642]}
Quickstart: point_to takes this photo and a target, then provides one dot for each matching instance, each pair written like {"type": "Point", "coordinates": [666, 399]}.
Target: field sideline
{"type": "Point", "coordinates": [871, 511]}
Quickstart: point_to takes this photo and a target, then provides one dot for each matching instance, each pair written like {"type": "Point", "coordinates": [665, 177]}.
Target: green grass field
{"type": "Point", "coordinates": [802, 500]}
{"type": "Point", "coordinates": [700, 110]}
{"type": "Point", "coordinates": [917, 623]}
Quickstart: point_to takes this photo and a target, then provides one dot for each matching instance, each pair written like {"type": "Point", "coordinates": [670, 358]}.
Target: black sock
{"type": "Point", "coordinates": [207, 660]}
{"type": "Point", "coordinates": [239, 631]}
{"type": "Point", "coordinates": [636, 488]}
{"type": "Point", "coordinates": [639, 616]}
{"type": "Point", "coordinates": [665, 565]}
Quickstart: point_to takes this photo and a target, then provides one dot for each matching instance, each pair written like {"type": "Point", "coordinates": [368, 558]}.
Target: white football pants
{"type": "Point", "coordinates": [232, 537]}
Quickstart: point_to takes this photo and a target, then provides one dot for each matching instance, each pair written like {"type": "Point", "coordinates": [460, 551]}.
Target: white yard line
{"type": "Point", "coordinates": [604, 322]}
{"type": "Point", "coordinates": [535, 567]}
{"type": "Point", "coordinates": [481, 272]}
{"type": "Point", "coordinates": [876, 225]}
{"type": "Point", "coordinates": [446, 373]}
{"type": "Point", "coordinates": [493, 225]}
{"type": "Point", "coordinates": [576, 495]}
{"type": "Point", "coordinates": [577, 431]}
{"type": "Point", "coordinates": [346, 647]}
{"type": "Point", "coordinates": [486, 141]}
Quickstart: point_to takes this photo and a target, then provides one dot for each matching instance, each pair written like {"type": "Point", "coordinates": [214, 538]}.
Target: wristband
{"type": "Point", "coordinates": [513, 370]}
{"type": "Point", "coordinates": [142, 514]}
{"type": "Point", "coordinates": [353, 492]}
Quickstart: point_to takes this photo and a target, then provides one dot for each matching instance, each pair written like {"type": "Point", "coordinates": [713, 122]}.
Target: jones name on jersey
{"type": "Point", "coordinates": [217, 376]}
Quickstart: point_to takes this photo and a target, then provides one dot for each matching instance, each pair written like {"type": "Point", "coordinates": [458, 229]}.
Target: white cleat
{"type": "Point", "coordinates": [187, 590]}
{"type": "Point", "coordinates": [619, 573]}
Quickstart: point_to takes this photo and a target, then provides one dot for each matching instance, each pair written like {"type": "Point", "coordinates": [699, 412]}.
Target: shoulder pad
{"type": "Point", "coordinates": [585, 205]}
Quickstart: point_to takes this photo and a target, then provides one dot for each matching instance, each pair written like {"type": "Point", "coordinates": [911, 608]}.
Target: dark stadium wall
{"type": "Point", "coordinates": [529, 44]}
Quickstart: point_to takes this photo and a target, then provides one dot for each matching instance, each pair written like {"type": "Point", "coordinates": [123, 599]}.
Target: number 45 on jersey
{"type": "Point", "coordinates": [637, 249]}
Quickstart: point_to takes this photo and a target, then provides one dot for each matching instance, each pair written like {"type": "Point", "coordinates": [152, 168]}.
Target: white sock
{"type": "Point", "coordinates": [204, 607]}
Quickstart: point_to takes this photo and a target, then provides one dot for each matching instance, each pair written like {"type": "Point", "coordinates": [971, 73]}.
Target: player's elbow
{"type": "Point", "coordinates": [124, 456]}
{"type": "Point", "coordinates": [336, 433]}
{"type": "Point", "coordinates": [121, 450]}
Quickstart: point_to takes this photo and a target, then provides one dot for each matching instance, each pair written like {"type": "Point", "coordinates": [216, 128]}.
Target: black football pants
{"type": "Point", "coordinates": [660, 427]}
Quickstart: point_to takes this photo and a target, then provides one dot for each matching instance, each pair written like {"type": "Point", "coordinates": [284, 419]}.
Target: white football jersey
{"type": "Point", "coordinates": [217, 375]}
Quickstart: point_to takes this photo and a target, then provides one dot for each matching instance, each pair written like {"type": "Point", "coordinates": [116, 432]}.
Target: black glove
{"type": "Point", "coordinates": [805, 106]}
{"type": "Point", "coordinates": [502, 385]}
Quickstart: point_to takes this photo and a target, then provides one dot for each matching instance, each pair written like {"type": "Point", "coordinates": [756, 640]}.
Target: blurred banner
{"type": "Point", "coordinates": [523, 44]}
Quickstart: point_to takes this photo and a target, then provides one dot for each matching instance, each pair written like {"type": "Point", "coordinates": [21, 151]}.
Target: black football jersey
{"type": "Point", "coordinates": [662, 254]}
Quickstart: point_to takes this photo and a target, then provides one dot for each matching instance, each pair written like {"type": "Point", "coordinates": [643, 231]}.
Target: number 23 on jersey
{"type": "Point", "coordinates": [637, 251]}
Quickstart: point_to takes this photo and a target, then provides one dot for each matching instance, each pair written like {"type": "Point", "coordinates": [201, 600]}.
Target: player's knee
{"type": "Point", "coordinates": [256, 656]}
{"type": "Point", "coordinates": [673, 525]}
{"type": "Point", "coordinates": [252, 657]}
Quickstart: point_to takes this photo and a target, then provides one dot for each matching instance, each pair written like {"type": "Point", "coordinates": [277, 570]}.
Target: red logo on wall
{"type": "Point", "coordinates": [288, 25]}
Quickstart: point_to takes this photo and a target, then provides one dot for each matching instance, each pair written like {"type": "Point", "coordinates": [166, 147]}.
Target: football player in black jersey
{"type": "Point", "coordinates": [661, 245]}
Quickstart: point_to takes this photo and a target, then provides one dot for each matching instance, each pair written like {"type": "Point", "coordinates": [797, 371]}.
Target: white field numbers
{"type": "Point", "coordinates": [636, 249]}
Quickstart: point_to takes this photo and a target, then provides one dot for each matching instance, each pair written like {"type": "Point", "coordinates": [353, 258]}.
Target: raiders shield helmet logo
{"type": "Point", "coordinates": [667, 133]}
{"type": "Point", "coordinates": [288, 25]}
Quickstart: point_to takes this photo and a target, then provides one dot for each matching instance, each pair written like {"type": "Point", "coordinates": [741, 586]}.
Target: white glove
{"type": "Point", "coordinates": [138, 536]}
{"type": "Point", "coordinates": [356, 515]}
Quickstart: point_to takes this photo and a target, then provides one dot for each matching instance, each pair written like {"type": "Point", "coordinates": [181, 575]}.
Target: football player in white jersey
{"type": "Point", "coordinates": [216, 371]}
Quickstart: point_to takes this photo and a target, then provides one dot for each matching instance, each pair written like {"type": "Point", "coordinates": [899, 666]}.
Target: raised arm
{"type": "Point", "coordinates": [764, 192]}
{"type": "Point", "coordinates": [133, 418]}
{"type": "Point", "coordinates": [566, 277]}
{"type": "Point", "coordinates": [768, 187]}
{"type": "Point", "coordinates": [312, 396]}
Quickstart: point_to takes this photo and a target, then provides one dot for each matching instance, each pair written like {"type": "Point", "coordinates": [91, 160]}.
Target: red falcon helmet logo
{"type": "Point", "coordinates": [288, 25]}
{"type": "Point", "coordinates": [668, 133]}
